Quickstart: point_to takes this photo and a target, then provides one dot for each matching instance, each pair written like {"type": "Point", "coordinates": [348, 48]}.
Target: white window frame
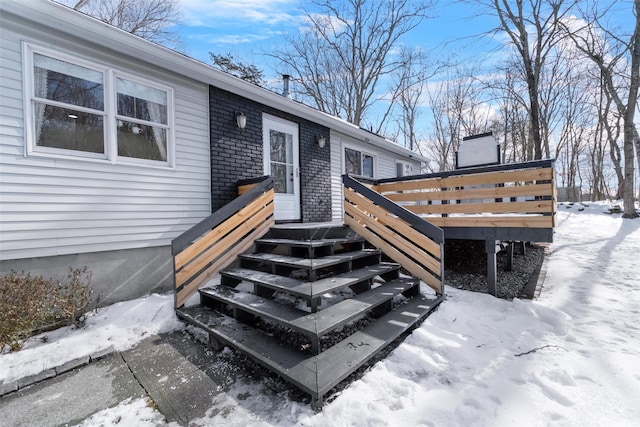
{"type": "Point", "coordinates": [109, 114]}
{"type": "Point", "coordinates": [362, 153]}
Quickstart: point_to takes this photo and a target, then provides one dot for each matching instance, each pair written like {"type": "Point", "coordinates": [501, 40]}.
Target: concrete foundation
{"type": "Point", "coordinates": [116, 275]}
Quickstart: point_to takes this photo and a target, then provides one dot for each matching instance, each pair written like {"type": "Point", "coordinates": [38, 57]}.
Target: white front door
{"type": "Point", "coordinates": [282, 162]}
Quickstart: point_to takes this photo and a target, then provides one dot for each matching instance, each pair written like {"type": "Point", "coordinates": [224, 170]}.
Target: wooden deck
{"type": "Point", "coordinates": [503, 203]}
{"type": "Point", "coordinates": [514, 201]}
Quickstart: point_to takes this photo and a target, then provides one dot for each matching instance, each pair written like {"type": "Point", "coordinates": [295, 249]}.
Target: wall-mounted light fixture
{"type": "Point", "coordinates": [321, 141]}
{"type": "Point", "coordinates": [241, 120]}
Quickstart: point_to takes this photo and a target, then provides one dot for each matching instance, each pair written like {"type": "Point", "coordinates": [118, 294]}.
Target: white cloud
{"type": "Point", "coordinates": [215, 13]}
{"type": "Point", "coordinates": [230, 39]}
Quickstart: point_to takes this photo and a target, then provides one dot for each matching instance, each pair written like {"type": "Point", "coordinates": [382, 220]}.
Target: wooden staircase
{"type": "Point", "coordinates": [310, 280]}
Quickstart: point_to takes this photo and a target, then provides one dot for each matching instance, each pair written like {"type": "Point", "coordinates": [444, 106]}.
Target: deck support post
{"type": "Point", "coordinates": [510, 256]}
{"type": "Point", "coordinates": [490, 248]}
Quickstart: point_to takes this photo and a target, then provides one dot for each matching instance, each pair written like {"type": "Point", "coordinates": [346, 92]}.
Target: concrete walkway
{"type": "Point", "coordinates": [175, 370]}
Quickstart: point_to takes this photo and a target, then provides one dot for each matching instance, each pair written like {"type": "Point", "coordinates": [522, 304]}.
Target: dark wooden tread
{"type": "Point", "coordinates": [310, 231]}
{"type": "Point", "coordinates": [313, 325]}
{"type": "Point", "coordinates": [314, 374]}
{"type": "Point", "coordinates": [338, 362]}
{"type": "Point", "coordinates": [273, 281]}
{"type": "Point", "coordinates": [294, 366]}
{"type": "Point", "coordinates": [309, 264]}
{"type": "Point", "coordinates": [343, 312]}
{"type": "Point", "coordinates": [305, 289]}
{"type": "Point", "coordinates": [311, 243]}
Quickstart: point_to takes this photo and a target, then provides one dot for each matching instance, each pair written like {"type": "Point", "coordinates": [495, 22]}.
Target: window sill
{"type": "Point", "coordinates": [102, 161]}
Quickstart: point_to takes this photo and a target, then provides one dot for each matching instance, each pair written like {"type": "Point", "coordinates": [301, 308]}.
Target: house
{"type": "Point", "coordinates": [111, 146]}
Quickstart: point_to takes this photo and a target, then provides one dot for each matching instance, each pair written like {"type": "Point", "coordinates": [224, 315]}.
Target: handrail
{"type": "Point", "coordinates": [215, 242]}
{"type": "Point", "coordinates": [401, 235]}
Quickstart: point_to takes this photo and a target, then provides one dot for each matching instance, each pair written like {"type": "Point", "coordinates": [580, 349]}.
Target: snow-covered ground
{"type": "Point", "coordinates": [570, 358]}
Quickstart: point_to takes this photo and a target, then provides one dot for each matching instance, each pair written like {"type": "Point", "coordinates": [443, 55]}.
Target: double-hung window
{"type": "Point", "coordinates": [76, 108]}
{"type": "Point", "coordinates": [359, 163]}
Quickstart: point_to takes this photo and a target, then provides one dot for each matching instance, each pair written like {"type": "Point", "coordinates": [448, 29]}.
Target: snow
{"type": "Point", "coordinates": [119, 327]}
{"type": "Point", "coordinates": [572, 357]}
{"type": "Point", "coordinates": [138, 412]}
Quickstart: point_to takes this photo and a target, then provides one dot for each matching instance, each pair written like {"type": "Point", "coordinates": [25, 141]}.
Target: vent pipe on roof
{"type": "Point", "coordinates": [285, 86]}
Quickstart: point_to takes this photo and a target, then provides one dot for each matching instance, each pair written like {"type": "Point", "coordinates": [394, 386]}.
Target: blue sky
{"type": "Point", "coordinates": [247, 28]}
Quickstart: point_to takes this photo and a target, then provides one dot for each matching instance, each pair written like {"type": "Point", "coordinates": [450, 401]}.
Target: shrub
{"type": "Point", "coordinates": [31, 304]}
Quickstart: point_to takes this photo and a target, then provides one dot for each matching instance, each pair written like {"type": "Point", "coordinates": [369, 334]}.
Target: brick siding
{"type": "Point", "coordinates": [237, 154]}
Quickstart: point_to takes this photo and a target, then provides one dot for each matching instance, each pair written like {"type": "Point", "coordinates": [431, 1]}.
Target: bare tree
{"type": "Point", "coordinates": [618, 59]}
{"type": "Point", "coordinates": [455, 102]}
{"type": "Point", "coordinates": [513, 126]}
{"type": "Point", "coordinates": [412, 78]}
{"type": "Point", "coordinates": [149, 19]}
{"type": "Point", "coordinates": [532, 28]}
{"type": "Point", "coordinates": [339, 61]}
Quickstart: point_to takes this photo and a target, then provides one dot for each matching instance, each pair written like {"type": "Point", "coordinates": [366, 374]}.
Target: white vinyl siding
{"type": "Point", "coordinates": [384, 166]}
{"type": "Point", "coordinates": [55, 206]}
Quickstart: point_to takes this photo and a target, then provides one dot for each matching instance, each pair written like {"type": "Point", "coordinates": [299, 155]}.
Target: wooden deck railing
{"type": "Point", "coordinates": [214, 243]}
{"type": "Point", "coordinates": [512, 195]}
{"type": "Point", "coordinates": [401, 235]}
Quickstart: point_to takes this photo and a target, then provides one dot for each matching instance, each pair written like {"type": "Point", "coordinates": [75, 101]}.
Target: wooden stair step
{"type": "Point", "coordinates": [309, 290]}
{"type": "Point", "coordinates": [294, 366]}
{"type": "Point", "coordinates": [342, 280]}
{"type": "Point", "coordinates": [311, 243]}
{"type": "Point", "coordinates": [273, 281]}
{"type": "Point", "coordinates": [256, 305]}
{"type": "Point", "coordinates": [314, 374]}
{"type": "Point", "coordinates": [310, 231]}
{"type": "Point", "coordinates": [310, 264]}
{"type": "Point", "coordinates": [343, 312]}
{"type": "Point", "coordinates": [310, 324]}
{"type": "Point", "coordinates": [338, 362]}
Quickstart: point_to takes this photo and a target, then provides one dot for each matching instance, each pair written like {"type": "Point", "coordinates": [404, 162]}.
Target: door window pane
{"type": "Point", "coordinates": [281, 147]}
{"type": "Point", "coordinates": [282, 178]}
{"type": "Point", "coordinates": [281, 159]}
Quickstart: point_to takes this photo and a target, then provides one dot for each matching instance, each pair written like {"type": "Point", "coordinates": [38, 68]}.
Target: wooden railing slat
{"type": "Point", "coordinates": [212, 236]}
{"type": "Point", "coordinates": [400, 234]}
{"type": "Point", "coordinates": [416, 222]}
{"type": "Point", "coordinates": [532, 206]}
{"type": "Point", "coordinates": [394, 254]}
{"type": "Point", "coordinates": [525, 175]}
{"type": "Point", "coordinates": [186, 239]}
{"type": "Point", "coordinates": [236, 228]}
{"type": "Point", "coordinates": [398, 224]}
{"type": "Point", "coordinates": [506, 192]}
{"type": "Point", "coordinates": [215, 242]}
{"type": "Point", "coordinates": [227, 259]}
{"type": "Point", "coordinates": [393, 239]}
